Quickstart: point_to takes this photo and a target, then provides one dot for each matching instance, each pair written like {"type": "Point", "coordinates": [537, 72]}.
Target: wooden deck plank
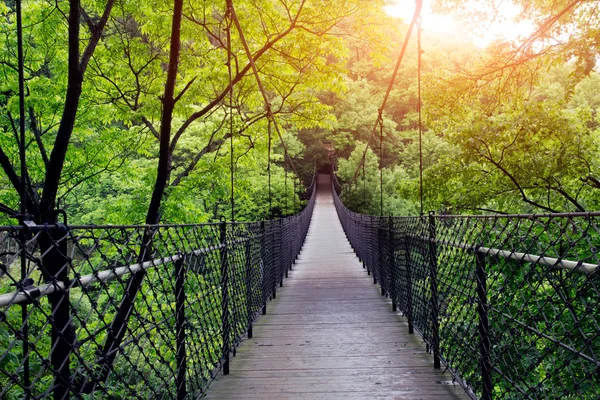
{"type": "Point", "coordinates": [330, 334]}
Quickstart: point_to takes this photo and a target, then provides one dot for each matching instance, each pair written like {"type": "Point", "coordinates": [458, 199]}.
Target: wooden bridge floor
{"type": "Point", "coordinates": [330, 334]}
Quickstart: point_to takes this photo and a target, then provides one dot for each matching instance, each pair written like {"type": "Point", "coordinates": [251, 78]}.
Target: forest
{"type": "Point", "coordinates": [121, 128]}
{"type": "Point", "coordinates": [149, 150]}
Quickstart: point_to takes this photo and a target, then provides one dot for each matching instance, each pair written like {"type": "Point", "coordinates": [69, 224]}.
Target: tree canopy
{"type": "Point", "coordinates": [120, 129]}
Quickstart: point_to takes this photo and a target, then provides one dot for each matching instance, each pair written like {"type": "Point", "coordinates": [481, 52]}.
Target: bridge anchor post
{"type": "Point", "coordinates": [382, 260]}
{"type": "Point", "coordinates": [409, 295]}
{"type": "Point", "coordinates": [225, 328]}
{"type": "Point", "coordinates": [482, 311]}
{"type": "Point", "coordinates": [265, 267]}
{"type": "Point", "coordinates": [180, 328]}
{"type": "Point", "coordinates": [249, 313]}
{"type": "Point", "coordinates": [435, 343]}
{"type": "Point", "coordinates": [392, 261]}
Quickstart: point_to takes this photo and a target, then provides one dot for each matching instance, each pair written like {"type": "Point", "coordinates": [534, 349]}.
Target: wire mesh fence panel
{"type": "Point", "coordinates": [509, 303]}
{"type": "Point", "coordinates": [133, 311]}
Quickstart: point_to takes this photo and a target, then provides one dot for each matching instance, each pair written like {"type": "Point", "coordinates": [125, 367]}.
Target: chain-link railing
{"type": "Point", "coordinates": [509, 304]}
{"type": "Point", "coordinates": [134, 311]}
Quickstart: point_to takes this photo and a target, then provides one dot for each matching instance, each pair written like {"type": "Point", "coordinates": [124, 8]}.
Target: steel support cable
{"type": "Point", "coordinates": [417, 13]}
{"type": "Point", "coordinates": [269, 168]}
{"type": "Point", "coordinates": [231, 149]}
{"type": "Point", "coordinates": [285, 190]}
{"type": "Point", "coordinates": [364, 187]}
{"type": "Point", "coordinates": [23, 206]}
{"type": "Point", "coordinates": [260, 84]}
{"type": "Point", "coordinates": [21, 68]}
{"type": "Point", "coordinates": [419, 107]}
{"type": "Point", "coordinates": [380, 165]}
{"type": "Point", "coordinates": [226, 252]}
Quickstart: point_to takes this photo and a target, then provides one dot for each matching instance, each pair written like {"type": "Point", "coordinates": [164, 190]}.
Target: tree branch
{"type": "Point", "coordinates": [15, 180]}
{"type": "Point", "coordinates": [151, 127]}
{"type": "Point", "coordinates": [235, 79]}
{"type": "Point", "coordinates": [96, 33]}
{"type": "Point", "coordinates": [568, 197]}
{"type": "Point", "coordinates": [180, 95]}
{"type": "Point", "coordinates": [517, 185]}
{"type": "Point", "coordinates": [210, 147]}
{"type": "Point", "coordinates": [38, 136]}
{"type": "Point", "coordinates": [7, 210]}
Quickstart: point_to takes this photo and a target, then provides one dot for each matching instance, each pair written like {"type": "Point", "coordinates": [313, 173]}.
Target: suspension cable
{"type": "Point", "coordinates": [381, 165]}
{"type": "Point", "coordinates": [231, 149]}
{"type": "Point", "coordinates": [269, 169]}
{"type": "Point", "coordinates": [260, 84]}
{"type": "Point", "coordinates": [21, 68]}
{"type": "Point", "coordinates": [419, 106]}
{"type": "Point", "coordinates": [23, 197]}
{"type": "Point", "coordinates": [418, 5]}
{"type": "Point", "coordinates": [285, 190]}
{"type": "Point", "coordinates": [364, 187]}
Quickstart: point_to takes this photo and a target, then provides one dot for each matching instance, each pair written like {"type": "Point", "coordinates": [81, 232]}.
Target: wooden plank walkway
{"type": "Point", "coordinates": [330, 334]}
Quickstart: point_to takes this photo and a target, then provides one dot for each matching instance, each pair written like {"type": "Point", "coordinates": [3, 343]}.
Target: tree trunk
{"type": "Point", "coordinates": [119, 324]}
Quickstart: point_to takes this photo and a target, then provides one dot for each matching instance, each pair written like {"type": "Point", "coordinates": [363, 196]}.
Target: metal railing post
{"type": "Point", "coordinates": [285, 248]}
{"type": "Point", "coordinates": [180, 328]}
{"type": "Point", "coordinates": [382, 261]}
{"type": "Point", "coordinates": [409, 294]}
{"type": "Point", "coordinates": [248, 265]}
{"type": "Point", "coordinates": [434, 291]}
{"type": "Point", "coordinates": [482, 311]}
{"type": "Point", "coordinates": [263, 256]}
{"type": "Point", "coordinates": [224, 297]}
{"type": "Point", "coordinates": [274, 261]}
{"type": "Point", "coordinates": [366, 255]}
{"type": "Point", "coordinates": [392, 262]}
{"type": "Point", "coordinates": [360, 228]}
{"type": "Point", "coordinates": [374, 266]}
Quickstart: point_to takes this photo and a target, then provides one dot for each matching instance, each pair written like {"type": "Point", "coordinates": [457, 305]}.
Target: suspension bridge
{"type": "Point", "coordinates": [330, 334]}
{"type": "Point", "coordinates": [501, 307]}
{"type": "Point", "coordinates": [324, 304]}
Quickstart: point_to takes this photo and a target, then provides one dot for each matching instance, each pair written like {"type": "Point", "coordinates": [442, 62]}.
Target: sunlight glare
{"type": "Point", "coordinates": [431, 22]}
{"type": "Point", "coordinates": [505, 28]}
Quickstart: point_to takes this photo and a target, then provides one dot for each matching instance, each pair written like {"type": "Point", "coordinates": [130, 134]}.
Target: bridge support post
{"type": "Point", "coordinates": [282, 258]}
{"type": "Point", "coordinates": [180, 328]}
{"type": "Point", "coordinates": [408, 291]}
{"type": "Point", "coordinates": [482, 310]}
{"type": "Point", "coordinates": [392, 262]}
{"type": "Point", "coordinates": [382, 260]}
{"type": "Point", "coordinates": [273, 264]}
{"type": "Point", "coordinates": [224, 297]}
{"type": "Point", "coordinates": [248, 259]}
{"type": "Point", "coordinates": [376, 263]}
{"type": "Point", "coordinates": [435, 342]}
{"type": "Point", "coordinates": [287, 246]}
{"type": "Point", "coordinates": [265, 267]}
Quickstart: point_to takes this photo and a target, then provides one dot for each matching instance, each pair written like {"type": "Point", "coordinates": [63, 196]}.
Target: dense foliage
{"type": "Point", "coordinates": [110, 166]}
{"type": "Point", "coordinates": [137, 112]}
{"type": "Point", "coordinates": [511, 127]}
{"type": "Point", "coordinates": [516, 119]}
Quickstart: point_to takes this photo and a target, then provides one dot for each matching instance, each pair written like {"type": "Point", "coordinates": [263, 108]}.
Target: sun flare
{"type": "Point", "coordinates": [504, 28]}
